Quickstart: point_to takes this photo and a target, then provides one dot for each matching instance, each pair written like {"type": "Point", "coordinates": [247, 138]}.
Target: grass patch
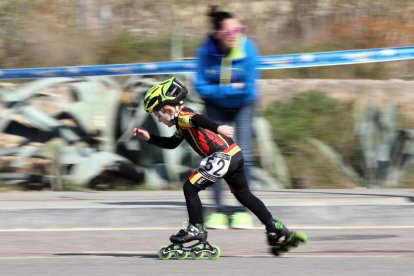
{"type": "Point", "coordinates": [126, 48]}
{"type": "Point", "coordinates": [314, 114]}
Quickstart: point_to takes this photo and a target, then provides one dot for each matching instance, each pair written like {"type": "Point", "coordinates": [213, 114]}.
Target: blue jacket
{"type": "Point", "coordinates": [213, 81]}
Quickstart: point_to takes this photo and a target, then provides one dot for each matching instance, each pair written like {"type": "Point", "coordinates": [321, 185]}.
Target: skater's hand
{"type": "Point", "coordinates": [226, 130]}
{"type": "Point", "coordinates": [238, 85]}
{"type": "Point", "coordinates": [141, 133]}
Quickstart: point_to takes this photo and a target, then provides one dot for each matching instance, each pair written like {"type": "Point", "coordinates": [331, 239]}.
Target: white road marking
{"type": "Point", "coordinates": [294, 227]}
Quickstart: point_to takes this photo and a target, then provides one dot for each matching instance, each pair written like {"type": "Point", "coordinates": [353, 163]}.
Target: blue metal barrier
{"type": "Point", "coordinates": [174, 67]}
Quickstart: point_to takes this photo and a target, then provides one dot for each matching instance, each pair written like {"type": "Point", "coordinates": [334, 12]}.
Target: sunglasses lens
{"type": "Point", "coordinates": [233, 32]}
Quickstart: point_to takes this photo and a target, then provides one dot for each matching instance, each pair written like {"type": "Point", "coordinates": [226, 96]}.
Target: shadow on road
{"type": "Point", "coordinates": [109, 254]}
{"type": "Point", "coordinates": [147, 255]}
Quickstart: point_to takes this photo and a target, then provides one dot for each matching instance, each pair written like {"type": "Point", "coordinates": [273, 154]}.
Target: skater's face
{"type": "Point", "coordinates": [166, 115]}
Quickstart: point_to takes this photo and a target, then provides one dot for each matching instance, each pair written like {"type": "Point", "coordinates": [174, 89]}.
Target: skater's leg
{"type": "Point", "coordinates": [193, 202]}
{"type": "Point", "coordinates": [254, 204]}
{"type": "Point", "coordinates": [195, 229]}
{"type": "Point", "coordinates": [278, 235]}
{"type": "Point", "coordinates": [238, 185]}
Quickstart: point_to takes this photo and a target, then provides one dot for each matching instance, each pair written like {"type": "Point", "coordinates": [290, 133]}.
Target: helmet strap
{"type": "Point", "coordinates": [177, 109]}
{"type": "Point", "coordinates": [165, 116]}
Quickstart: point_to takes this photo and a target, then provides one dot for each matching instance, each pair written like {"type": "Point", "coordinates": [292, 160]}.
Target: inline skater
{"type": "Point", "coordinates": [222, 158]}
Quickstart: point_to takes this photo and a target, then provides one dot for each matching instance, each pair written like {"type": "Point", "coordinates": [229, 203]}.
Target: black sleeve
{"type": "Point", "coordinates": [166, 142]}
{"type": "Point", "coordinates": [204, 122]}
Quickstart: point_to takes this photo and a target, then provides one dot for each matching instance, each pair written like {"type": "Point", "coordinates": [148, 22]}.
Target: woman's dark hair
{"type": "Point", "coordinates": [217, 17]}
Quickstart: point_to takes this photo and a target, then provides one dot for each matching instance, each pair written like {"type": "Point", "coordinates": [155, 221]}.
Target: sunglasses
{"type": "Point", "coordinates": [232, 32]}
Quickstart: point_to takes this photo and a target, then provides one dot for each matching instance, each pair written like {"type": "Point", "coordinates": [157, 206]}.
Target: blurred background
{"type": "Point", "coordinates": [321, 127]}
{"type": "Point", "coordinates": [83, 32]}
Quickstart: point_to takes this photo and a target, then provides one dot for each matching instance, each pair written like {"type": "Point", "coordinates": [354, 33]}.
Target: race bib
{"type": "Point", "coordinates": [215, 166]}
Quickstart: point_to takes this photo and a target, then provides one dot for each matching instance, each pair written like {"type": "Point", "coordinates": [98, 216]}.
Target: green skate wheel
{"type": "Point", "coordinates": [216, 254]}
{"type": "Point", "coordinates": [163, 253]}
{"type": "Point", "coordinates": [302, 237]}
{"type": "Point", "coordinates": [196, 252]}
{"type": "Point", "coordinates": [181, 255]}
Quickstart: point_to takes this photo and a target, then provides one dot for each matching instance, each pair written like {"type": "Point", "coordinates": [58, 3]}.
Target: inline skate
{"type": "Point", "coordinates": [282, 240]}
{"type": "Point", "coordinates": [197, 250]}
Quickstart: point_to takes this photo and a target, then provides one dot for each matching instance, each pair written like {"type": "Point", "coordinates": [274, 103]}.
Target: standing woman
{"type": "Point", "coordinates": [226, 81]}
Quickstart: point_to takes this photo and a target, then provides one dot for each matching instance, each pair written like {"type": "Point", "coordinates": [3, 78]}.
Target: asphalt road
{"type": "Point", "coordinates": [330, 251]}
{"type": "Point", "coordinates": [351, 232]}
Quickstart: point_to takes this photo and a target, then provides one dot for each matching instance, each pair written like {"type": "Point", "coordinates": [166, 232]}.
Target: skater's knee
{"type": "Point", "coordinates": [242, 195]}
{"type": "Point", "coordinates": [241, 191]}
{"type": "Point", "coordinates": [190, 189]}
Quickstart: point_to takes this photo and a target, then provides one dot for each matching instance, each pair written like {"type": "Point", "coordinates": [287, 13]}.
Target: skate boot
{"type": "Point", "coordinates": [193, 232]}
{"type": "Point", "coordinates": [281, 239]}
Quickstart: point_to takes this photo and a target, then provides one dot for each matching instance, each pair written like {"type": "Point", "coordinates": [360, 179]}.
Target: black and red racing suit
{"type": "Point", "coordinates": [201, 133]}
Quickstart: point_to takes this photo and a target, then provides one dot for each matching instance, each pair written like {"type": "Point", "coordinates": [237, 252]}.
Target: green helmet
{"type": "Point", "coordinates": [170, 91]}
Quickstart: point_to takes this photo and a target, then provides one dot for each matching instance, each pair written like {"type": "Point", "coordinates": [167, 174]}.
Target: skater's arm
{"type": "Point", "coordinates": [204, 122]}
{"type": "Point", "coordinates": [141, 133]}
{"type": "Point", "coordinates": [207, 123]}
{"type": "Point", "coordinates": [166, 142]}
{"type": "Point", "coordinates": [163, 142]}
